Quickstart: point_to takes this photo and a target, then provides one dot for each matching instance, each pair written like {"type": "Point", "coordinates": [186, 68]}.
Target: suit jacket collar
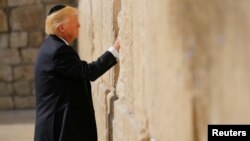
{"type": "Point", "coordinates": [60, 38]}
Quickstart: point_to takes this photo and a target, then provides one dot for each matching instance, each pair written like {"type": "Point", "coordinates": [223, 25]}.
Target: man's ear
{"type": "Point", "coordinates": [60, 28]}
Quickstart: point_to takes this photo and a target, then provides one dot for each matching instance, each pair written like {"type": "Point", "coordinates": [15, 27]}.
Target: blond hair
{"type": "Point", "coordinates": [55, 19]}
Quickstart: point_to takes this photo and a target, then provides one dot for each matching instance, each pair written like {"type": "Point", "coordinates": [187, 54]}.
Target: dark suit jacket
{"type": "Point", "coordinates": [64, 107]}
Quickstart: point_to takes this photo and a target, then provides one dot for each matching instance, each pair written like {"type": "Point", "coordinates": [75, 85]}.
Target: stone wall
{"type": "Point", "coordinates": [21, 34]}
{"type": "Point", "coordinates": [183, 65]}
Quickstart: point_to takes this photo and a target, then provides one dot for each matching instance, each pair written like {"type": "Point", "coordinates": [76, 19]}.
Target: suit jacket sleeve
{"type": "Point", "coordinates": [68, 63]}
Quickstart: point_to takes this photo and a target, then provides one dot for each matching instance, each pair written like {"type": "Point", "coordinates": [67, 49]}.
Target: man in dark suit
{"type": "Point", "coordinates": [64, 107]}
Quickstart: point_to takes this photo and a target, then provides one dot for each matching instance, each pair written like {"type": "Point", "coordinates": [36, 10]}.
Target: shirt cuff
{"type": "Point", "coordinates": [114, 52]}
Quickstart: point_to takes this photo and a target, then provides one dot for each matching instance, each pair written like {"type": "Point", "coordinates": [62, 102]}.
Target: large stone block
{"type": "Point", "coordinates": [29, 55]}
{"type": "Point", "coordinates": [4, 41]}
{"type": "Point", "coordinates": [100, 100]}
{"type": "Point", "coordinates": [149, 67]}
{"type": "Point", "coordinates": [182, 64]}
{"type": "Point", "coordinates": [27, 18]}
{"type": "Point", "coordinates": [22, 88]}
{"type": "Point", "coordinates": [6, 73]}
{"type": "Point", "coordinates": [24, 102]}
{"type": "Point", "coordinates": [97, 29]}
{"type": "Point", "coordinates": [72, 2]}
{"type": "Point", "coordinates": [20, 2]}
{"type": "Point", "coordinates": [33, 90]}
{"type": "Point", "coordinates": [6, 103]}
{"type": "Point", "coordinates": [129, 125]}
{"type": "Point", "coordinates": [3, 3]}
{"type": "Point", "coordinates": [3, 21]}
{"type": "Point", "coordinates": [86, 36]}
{"type": "Point", "coordinates": [18, 39]}
{"type": "Point", "coordinates": [9, 56]}
{"type": "Point", "coordinates": [35, 39]}
{"type": "Point", "coordinates": [5, 89]}
{"type": "Point", "coordinates": [47, 8]}
{"type": "Point", "coordinates": [25, 72]}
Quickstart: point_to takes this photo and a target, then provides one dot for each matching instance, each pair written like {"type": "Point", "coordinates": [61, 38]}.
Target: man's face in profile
{"type": "Point", "coordinates": [71, 27]}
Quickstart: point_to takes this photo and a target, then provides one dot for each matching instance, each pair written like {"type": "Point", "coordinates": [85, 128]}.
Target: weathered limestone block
{"type": "Point", "coordinates": [4, 41]}
{"type": "Point", "coordinates": [22, 88]}
{"type": "Point", "coordinates": [97, 37]}
{"type": "Point", "coordinates": [4, 22]}
{"type": "Point", "coordinates": [24, 72]}
{"type": "Point", "coordinates": [24, 102]}
{"type": "Point", "coordinates": [3, 3]}
{"type": "Point", "coordinates": [35, 39]}
{"type": "Point", "coordinates": [57, 1]}
{"type": "Point", "coordinates": [182, 65]}
{"type": "Point", "coordinates": [167, 99]}
{"type": "Point", "coordinates": [108, 34]}
{"type": "Point", "coordinates": [101, 111]}
{"type": "Point", "coordinates": [125, 82]}
{"type": "Point", "coordinates": [85, 36]}
{"type": "Point", "coordinates": [18, 39]}
{"type": "Point", "coordinates": [6, 103]}
{"type": "Point", "coordinates": [9, 56]}
{"type": "Point", "coordinates": [150, 74]}
{"type": "Point", "coordinates": [110, 99]}
{"type": "Point", "coordinates": [5, 89]}
{"type": "Point", "coordinates": [124, 123]}
{"type": "Point", "coordinates": [216, 48]}
{"type": "Point", "coordinates": [97, 28]}
{"type": "Point", "coordinates": [27, 18]}
{"type": "Point", "coordinates": [29, 55]}
{"type": "Point", "coordinates": [20, 2]}
{"type": "Point", "coordinates": [230, 69]}
{"type": "Point", "coordinates": [6, 73]}
{"type": "Point", "coordinates": [33, 91]}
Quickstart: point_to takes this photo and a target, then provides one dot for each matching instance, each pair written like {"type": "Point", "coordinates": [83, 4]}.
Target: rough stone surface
{"type": "Point", "coordinates": [27, 18]}
{"type": "Point", "coordinates": [24, 102]}
{"type": "Point", "coordinates": [24, 72]}
{"type": "Point", "coordinates": [22, 88]}
{"type": "Point", "coordinates": [20, 2]}
{"type": "Point", "coordinates": [3, 21]}
{"type": "Point", "coordinates": [35, 39]}
{"type": "Point", "coordinates": [3, 3]}
{"type": "Point", "coordinates": [18, 39]}
{"type": "Point", "coordinates": [6, 73]}
{"type": "Point", "coordinates": [6, 103]}
{"type": "Point", "coordinates": [182, 64]}
{"type": "Point", "coordinates": [9, 56]}
{"type": "Point", "coordinates": [4, 41]}
{"type": "Point", "coordinates": [137, 88]}
{"type": "Point", "coordinates": [29, 55]}
{"type": "Point", "coordinates": [5, 89]}
{"type": "Point", "coordinates": [101, 112]}
{"type": "Point", "coordinates": [74, 2]}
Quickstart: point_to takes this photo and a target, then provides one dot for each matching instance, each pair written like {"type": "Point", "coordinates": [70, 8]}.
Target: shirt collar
{"type": "Point", "coordinates": [64, 40]}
